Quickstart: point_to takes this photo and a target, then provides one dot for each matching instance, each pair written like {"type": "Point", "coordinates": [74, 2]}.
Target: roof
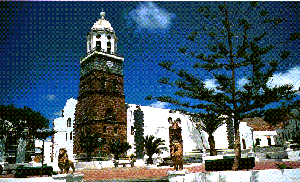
{"type": "Point", "coordinates": [102, 23]}
{"type": "Point", "coordinates": [258, 124]}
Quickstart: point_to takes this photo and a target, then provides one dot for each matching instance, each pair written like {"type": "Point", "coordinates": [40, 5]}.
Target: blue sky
{"type": "Point", "coordinates": [42, 43]}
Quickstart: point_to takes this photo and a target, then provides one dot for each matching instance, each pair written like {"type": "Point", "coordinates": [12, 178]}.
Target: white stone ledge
{"type": "Point", "coordinates": [77, 177]}
{"type": "Point", "coordinates": [286, 175]}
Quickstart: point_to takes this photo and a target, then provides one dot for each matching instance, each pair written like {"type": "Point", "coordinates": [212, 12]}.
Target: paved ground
{"type": "Point", "coordinates": [156, 173]}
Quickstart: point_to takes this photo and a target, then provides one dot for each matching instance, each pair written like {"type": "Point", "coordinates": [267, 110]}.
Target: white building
{"type": "Point", "coordinates": [263, 133]}
{"type": "Point", "coordinates": [156, 124]}
{"type": "Point", "coordinates": [47, 149]}
{"type": "Point", "coordinates": [64, 127]}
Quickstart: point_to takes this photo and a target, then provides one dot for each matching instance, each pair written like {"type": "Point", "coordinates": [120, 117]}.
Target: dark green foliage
{"type": "Point", "coordinates": [209, 123]}
{"type": "Point", "coordinates": [139, 132]}
{"type": "Point", "coordinates": [16, 123]}
{"type": "Point", "coordinates": [227, 162]}
{"type": "Point", "coordinates": [282, 166]}
{"type": "Point", "coordinates": [151, 146]}
{"type": "Point", "coordinates": [89, 141]}
{"type": "Point", "coordinates": [118, 147]}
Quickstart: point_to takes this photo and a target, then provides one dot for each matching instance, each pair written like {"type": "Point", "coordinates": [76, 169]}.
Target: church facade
{"type": "Point", "coordinates": [101, 100]}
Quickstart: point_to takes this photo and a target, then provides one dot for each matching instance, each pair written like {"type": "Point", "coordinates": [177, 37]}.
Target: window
{"type": "Point", "coordinates": [170, 120]}
{"type": "Point", "coordinates": [102, 82]}
{"type": "Point", "coordinates": [244, 143]}
{"type": "Point", "coordinates": [110, 115]}
{"type": "Point", "coordinates": [114, 85]}
{"type": "Point", "coordinates": [98, 45]}
{"type": "Point", "coordinates": [269, 142]}
{"type": "Point", "coordinates": [257, 141]}
{"type": "Point", "coordinates": [109, 37]}
{"type": "Point", "coordinates": [66, 136]}
{"type": "Point", "coordinates": [71, 135]}
{"type": "Point", "coordinates": [132, 130]}
{"type": "Point", "coordinates": [108, 47]}
{"type": "Point", "coordinates": [98, 36]}
{"type": "Point", "coordinates": [104, 129]}
{"type": "Point", "coordinates": [69, 122]}
{"type": "Point", "coordinates": [116, 130]}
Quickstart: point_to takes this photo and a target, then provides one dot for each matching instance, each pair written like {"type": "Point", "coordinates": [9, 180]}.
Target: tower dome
{"type": "Point", "coordinates": [102, 24]}
{"type": "Point", "coordinates": [102, 37]}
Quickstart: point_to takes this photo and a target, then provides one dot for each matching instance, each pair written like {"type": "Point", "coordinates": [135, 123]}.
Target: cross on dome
{"type": "Point", "coordinates": [102, 14]}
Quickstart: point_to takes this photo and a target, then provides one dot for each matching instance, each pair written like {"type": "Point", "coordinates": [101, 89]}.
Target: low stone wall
{"type": "Point", "coordinates": [59, 178]}
{"type": "Point", "coordinates": [286, 175]}
{"type": "Point", "coordinates": [294, 155]}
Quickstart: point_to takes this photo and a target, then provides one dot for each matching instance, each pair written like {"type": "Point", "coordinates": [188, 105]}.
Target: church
{"type": "Point", "coordinates": [101, 108]}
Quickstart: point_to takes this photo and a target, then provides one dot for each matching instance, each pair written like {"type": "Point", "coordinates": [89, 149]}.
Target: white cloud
{"type": "Point", "coordinates": [159, 104]}
{"type": "Point", "coordinates": [292, 76]}
{"type": "Point", "coordinates": [210, 84]}
{"type": "Point", "coordinates": [242, 82]}
{"type": "Point", "coordinates": [148, 15]}
{"type": "Point", "coordinates": [50, 97]}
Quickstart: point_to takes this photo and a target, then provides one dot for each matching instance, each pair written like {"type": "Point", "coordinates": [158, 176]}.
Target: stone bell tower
{"type": "Point", "coordinates": [101, 100]}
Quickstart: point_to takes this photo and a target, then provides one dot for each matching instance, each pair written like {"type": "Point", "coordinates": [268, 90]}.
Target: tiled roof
{"type": "Point", "coordinates": [258, 124]}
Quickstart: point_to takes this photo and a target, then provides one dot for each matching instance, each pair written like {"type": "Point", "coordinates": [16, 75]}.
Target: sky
{"type": "Point", "coordinates": [42, 44]}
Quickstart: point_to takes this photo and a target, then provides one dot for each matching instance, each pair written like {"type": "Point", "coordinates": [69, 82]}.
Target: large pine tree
{"type": "Point", "coordinates": [238, 36]}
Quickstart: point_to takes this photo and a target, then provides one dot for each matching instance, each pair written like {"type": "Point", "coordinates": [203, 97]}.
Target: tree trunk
{"type": "Point", "coordinates": [230, 134]}
{"type": "Point", "coordinates": [89, 154]}
{"type": "Point", "coordinates": [150, 160]}
{"type": "Point", "coordinates": [237, 147]}
{"type": "Point", "coordinates": [211, 141]}
{"type": "Point", "coordinates": [42, 158]}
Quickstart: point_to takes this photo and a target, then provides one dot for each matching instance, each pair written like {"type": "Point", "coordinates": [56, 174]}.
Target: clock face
{"type": "Point", "coordinates": [109, 64]}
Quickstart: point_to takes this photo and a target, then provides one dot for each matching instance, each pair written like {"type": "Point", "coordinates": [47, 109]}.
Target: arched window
{"type": "Point", "coordinates": [71, 135]}
{"type": "Point", "coordinates": [98, 45]}
{"type": "Point", "coordinates": [244, 143]}
{"type": "Point", "coordinates": [108, 47]}
{"type": "Point", "coordinates": [170, 120]}
{"type": "Point", "coordinates": [69, 122]}
{"type": "Point", "coordinates": [66, 136]}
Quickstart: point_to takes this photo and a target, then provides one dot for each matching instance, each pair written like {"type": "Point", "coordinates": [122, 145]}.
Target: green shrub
{"type": "Point", "coordinates": [54, 173]}
{"type": "Point", "coordinates": [282, 166]}
{"type": "Point", "coordinates": [20, 174]}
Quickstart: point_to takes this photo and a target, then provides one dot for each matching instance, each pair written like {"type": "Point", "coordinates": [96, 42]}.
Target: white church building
{"type": "Point", "coordinates": [156, 124]}
{"type": "Point", "coordinates": [64, 127]}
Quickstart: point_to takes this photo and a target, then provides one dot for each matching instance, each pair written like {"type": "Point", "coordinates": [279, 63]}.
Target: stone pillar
{"type": "Point", "coordinates": [20, 158]}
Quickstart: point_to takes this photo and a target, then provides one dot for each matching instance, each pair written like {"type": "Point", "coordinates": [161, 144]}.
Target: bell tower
{"type": "Point", "coordinates": [101, 100]}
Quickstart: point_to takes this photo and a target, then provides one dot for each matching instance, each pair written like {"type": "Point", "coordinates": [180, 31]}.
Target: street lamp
{"type": "Point", "coordinates": [100, 141]}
